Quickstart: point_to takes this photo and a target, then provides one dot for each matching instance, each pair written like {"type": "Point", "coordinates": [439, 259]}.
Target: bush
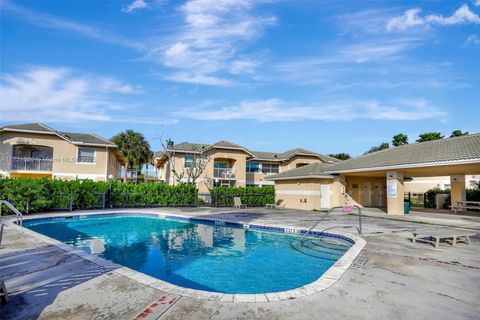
{"type": "Point", "coordinates": [44, 195]}
{"type": "Point", "coordinates": [474, 194]}
{"type": "Point", "coordinates": [471, 195]}
{"type": "Point", "coordinates": [430, 195]}
{"type": "Point", "coordinates": [251, 196]}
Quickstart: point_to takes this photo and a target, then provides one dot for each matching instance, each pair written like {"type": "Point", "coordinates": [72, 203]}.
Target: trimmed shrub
{"type": "Point", "coordinates": [251, 196]}
{"type": "Point", "coordinates": [44, 195]}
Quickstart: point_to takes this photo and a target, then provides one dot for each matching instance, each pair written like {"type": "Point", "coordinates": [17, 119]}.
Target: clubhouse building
{"type": "Point", "coordinates": [377, 179]}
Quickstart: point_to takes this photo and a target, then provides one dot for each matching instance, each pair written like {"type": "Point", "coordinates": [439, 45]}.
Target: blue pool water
{"type": "Point", "coordinates": [197, 256]}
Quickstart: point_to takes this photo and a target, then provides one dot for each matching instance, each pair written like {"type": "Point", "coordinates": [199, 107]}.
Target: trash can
{"type": "Point", "coordinates": [406, 207]}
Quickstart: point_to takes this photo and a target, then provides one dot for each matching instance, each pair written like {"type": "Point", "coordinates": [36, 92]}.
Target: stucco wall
{"type": "Point", "coordinates": [304, 194]}
{"type": "Point", "coordinates": [292, 163]}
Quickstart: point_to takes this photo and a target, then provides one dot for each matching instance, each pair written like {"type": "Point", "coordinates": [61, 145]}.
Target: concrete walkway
{"type": "Point", "coordinates": [392, 279]}
{"type": "Point", "coordinates": [442, 218]}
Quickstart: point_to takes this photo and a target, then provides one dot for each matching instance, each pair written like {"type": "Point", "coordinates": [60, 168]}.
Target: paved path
{"type": "Point", "coordinates": [392, 279]}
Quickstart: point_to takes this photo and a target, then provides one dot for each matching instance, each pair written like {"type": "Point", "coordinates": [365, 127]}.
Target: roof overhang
{"type": "Point", "coordinates": [407, 166]}
{"type": "Point", "coordinates": [315, 176]}
{"type": "Point", "coordinates": [93, 144]}
{"type": "Point", "coordinates": [231, 148]}
{"type": "Point", "coordinates": [61, 137]}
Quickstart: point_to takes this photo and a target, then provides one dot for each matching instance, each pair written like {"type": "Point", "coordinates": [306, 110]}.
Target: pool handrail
{"type": "Point", "coordinates": [15, 210]}
{"type": "Point", "coordinates": [359, 228]}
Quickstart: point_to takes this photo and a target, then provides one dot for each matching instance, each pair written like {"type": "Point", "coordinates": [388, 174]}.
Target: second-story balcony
{"type": "Point", "coordinates": [224, 173]}
{"type": "Point", "coordinates": [31, 164]}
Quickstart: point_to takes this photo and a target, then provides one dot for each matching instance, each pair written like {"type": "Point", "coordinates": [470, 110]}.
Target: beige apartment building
{"type": "Point", "coordinates": [229, 164]}
{"type": "Point", "coordinates": [38, 151]}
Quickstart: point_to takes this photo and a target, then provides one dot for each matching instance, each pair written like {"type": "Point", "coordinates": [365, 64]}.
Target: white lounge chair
{"type": "Point", "coordinates": [237, 203]}
{"type": "Point", "coordinates": [277, 204]}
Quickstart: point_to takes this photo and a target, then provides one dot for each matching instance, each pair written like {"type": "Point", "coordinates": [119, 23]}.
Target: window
{"type": "Point", "coordinates": [86, 155]}
{"type": "Point", "coordinates": [299, 165]}
{"type": "Point", "coordinates": [29, 151]}
{"type": "Point", "coordinates": [188, 161]}
{"type": "Point", "coordinates": [220, 165]}
{"type": "Point", "coordinates": [253, 167]}
{"type": "Point", "coordinates": [269, 168]}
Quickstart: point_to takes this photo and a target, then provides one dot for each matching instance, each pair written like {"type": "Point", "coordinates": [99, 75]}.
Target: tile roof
{"type": "Point", "coordinates": [260, 155]}
{"type": "Point", "coordinates": [449, 149]}
{"type": "Point", "coordinates": [227, 144]}
{"type": "Point", "coordinates": [187, 146]}
{"type": "Point", "coordinates": [39, 127]}
{"type": "Point", "coordinates": [73, 137]}
{"type": "Point", "coordinates": [86, 138]}
{"type": "Point", "coordinates": [313, 170]}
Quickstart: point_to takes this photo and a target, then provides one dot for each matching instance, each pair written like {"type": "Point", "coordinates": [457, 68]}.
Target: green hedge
{"type": "Point", "coordinates": [251, 196]}
{"type": "Point", "coordinates": [431, 194]}
{"type": "Point", "coordinates": [472, 194]}
{"type": "Point", "coordinates": [45, 195]}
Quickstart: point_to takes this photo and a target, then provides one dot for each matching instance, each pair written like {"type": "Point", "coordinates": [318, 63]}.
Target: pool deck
{"type": "Point", "coordinates": [391, 279]}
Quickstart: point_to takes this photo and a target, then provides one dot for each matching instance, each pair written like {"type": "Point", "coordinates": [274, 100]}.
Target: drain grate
{"type": "Point", "coordinates": [359, 261]}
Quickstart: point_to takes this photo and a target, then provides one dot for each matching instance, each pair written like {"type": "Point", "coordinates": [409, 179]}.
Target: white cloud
{"type": "Point", "coordinates": [408, 20]}
{"type": "Point", "coordinates": [411, 19]}
{"type": "Point", "coordinates": [135, 5]}
{"type": "Point", "coordinates": [195, 78]}
{"type": "Point", "coordinates": [375, 50]}
{"type": "Point", "coordinates": [472, 40]}
{"type": "Point", "coordinates": [61, 24]}
{"type": "Point", "coordinates": [207, 45]}
{"type": "Point", "coordinates": [276, 110]}
{"type": "Point", "coordinates": [59, 94]}
{"type": "Point", "coordinates": [477, 3]}
{"type": "Point", "coordinates": [463, 15]}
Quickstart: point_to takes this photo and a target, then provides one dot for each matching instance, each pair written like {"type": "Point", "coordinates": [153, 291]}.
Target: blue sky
{"type": "Point", "coordinates": [330, 76]}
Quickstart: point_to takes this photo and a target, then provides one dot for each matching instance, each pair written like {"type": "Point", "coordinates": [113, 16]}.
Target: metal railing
{"type": "Point", "coordinates": [224, 173]}
{"type": "Point", "coordinates": [135, 175]}
{"type": "Point", "coordinates": [359, 228]}
{"type": "Point", "coordinates": [11, 207]}
{"type": "Point", "coordinates": [31, 164]}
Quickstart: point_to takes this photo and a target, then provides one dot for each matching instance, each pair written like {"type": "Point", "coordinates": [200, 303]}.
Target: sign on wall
{"type": "Point", "coordinates": [391, 189]}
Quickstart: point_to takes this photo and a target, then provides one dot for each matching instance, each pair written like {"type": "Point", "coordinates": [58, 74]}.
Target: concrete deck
{"type": "Point", "coordinates": [392, 278]}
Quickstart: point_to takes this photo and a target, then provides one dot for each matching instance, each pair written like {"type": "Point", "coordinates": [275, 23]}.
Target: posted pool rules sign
{"type": "Point", "coordinates": [392, 189]}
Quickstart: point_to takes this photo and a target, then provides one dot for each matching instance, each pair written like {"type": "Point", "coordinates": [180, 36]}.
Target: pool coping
{"type": "Point", "coordinates": [326, 280]}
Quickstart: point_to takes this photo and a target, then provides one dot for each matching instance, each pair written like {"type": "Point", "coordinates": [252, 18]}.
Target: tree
{"type": "Point", "coordinates": [341, 156]}
{"type": "Point", "coordinates": [382, 146]}
{"type": "Point", "coordinates": [429, 136]}
{"type": "Point", "coordinates": [458, 133]}
{"type": "Point", "coordinates": [400, 139]}
{"type": "Point", "coordinates": [196, 162]}
{"type": "Point", "coordinates": [133, 149]}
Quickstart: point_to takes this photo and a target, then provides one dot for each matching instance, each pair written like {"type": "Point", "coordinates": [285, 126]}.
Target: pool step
{"type": "Point", "coordinates": [317, 251]}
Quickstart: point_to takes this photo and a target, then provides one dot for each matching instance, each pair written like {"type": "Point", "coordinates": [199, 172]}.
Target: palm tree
{"type": "Point", "coordinates": [133, 149]}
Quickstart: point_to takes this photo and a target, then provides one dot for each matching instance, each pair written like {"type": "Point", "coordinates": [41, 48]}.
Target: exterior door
{"type": "Point", "coordinates": [377, 193]}
{"type": "Point", "coordinates": [366, 195]}
{"type": "Point", "coordinates": [324, 196]}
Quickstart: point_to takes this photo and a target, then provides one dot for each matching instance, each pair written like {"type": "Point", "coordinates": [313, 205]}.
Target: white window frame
{"type": "Point", "coordinates": [94, 156]}
{"type": "Point", "coordinates": [185, 160]}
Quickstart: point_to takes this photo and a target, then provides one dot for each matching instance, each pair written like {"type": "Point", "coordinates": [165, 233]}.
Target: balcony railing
{"type": "Point", "coordinates": [133, 174]}
{"type": "Point", "coordinates": [224, 173]}
{"type": "Point", "coordinates": [31, 164]}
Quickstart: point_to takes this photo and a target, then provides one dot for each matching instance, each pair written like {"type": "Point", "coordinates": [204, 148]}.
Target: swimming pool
{"type": "Point", "coordinates": [206, 256]}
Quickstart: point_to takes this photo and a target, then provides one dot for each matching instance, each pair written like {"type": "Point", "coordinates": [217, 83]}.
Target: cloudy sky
{"type": "Point", "coordinates": [330, 76]}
